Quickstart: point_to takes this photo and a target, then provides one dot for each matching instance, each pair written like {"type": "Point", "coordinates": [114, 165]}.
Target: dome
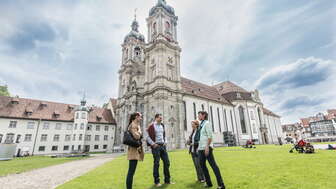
{"type": "Point", "coordinates": [162, 4]}
{"type": "Point", "coordinates": [135, 32]}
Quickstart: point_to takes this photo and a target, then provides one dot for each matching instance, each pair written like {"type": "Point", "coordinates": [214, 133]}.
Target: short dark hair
{"type": "Point", "coordinates": [204, 113]}
{"type": "Point", "coordinates": [157, 115]}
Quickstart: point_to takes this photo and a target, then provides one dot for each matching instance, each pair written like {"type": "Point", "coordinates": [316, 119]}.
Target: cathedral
{"type": "Point", "coordinates": [150, 82]}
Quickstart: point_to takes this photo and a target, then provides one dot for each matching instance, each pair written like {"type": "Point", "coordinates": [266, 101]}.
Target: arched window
{"type": "Point", "coordinates": [242, 119]}
{"type": "Point", "coordinates": [137, 51]}
{"type": "Point", "coordinates": [219, 122]}
{"type": "Point", "coordinates": [126, 54]}
{"type": "Point", "coordinates": [154, 28]}
{"type": "Point", "coordinates": [167, 25]}
{"type": "Point", "coordinates": [195, 117]}
{"type": "Point", "coordinates": [202, 107]}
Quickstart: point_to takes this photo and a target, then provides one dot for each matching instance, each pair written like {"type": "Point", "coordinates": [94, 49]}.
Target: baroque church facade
{"type": "Point", "coordinates": [150, 82]}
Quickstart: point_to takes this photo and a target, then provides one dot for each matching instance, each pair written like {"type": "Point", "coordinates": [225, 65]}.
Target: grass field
{"type": "Point", "coordinates": [266, 167]}
{"type": "Point", "coordinates": [19, 165]}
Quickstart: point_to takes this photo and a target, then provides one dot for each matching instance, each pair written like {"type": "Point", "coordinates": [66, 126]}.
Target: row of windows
{"type": "Point", "coordinates": [58, 126]}
{"type": "Point", "coordinates": [44, 137]}
{"type": "Point", "coordinates": [67, 148]}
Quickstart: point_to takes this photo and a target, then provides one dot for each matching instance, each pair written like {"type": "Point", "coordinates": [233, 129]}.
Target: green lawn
{"type": "Point", "coordinates": [19, 165]}
{"type": "Point", "coordinates": [266, 167]}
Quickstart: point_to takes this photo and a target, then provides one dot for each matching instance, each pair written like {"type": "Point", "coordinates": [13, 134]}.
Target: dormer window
{"type": "Point", "coordinates": [70, 107]}
{"type": "Point", "coordinates": [238, 95]}
{"type": "Point", "coordinates": [56, 114]}
{"type": "Point", "coordinates": [28, 111]}
{"type": "Point", "coordinates": [43, 105]}
{"type": "Point", "coordinates": [98, 118]}
{"type": "Point", "coordinates": [15, 100]}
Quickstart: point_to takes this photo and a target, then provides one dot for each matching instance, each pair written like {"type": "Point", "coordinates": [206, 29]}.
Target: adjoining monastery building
{"type": "Point", "coordinates": [150, 82]}
{"type": "Point", "coordinates": [41, 127]}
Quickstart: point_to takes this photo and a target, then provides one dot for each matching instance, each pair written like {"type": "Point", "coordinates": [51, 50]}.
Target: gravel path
{"type": "Point", "coordinates": [53, 176]}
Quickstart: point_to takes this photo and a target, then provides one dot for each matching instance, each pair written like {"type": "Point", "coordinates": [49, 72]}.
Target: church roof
{"type": "Point", "coordinates": [228, 87]}
{"type": "Point", "coordinates": [201, 90]}
{"type": "Point", "coordinates": [269, 112]}
{"type": "Point", "coordinates": [21, 108]}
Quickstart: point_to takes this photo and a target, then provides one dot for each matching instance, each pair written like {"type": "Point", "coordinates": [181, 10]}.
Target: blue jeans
{"type": "Point", "coordinates": [160, 152]}
{"type": "Point", "coordinates": [131, 170]}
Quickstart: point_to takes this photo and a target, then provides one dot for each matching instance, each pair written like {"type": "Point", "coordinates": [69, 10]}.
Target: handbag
{"type": "Point", "coordinates": [130, 140]}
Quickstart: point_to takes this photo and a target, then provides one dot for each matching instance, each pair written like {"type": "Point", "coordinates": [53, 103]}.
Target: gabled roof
{"type": "Point", "coordinates": [198, 89]}
{"type": "Point", "coordinates": [47, 110]}
{"type": "Point", "coordinates": [228, 87]}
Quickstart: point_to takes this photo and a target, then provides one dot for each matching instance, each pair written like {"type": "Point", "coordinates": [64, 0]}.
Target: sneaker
{"type": "Point", "coordinates": [158, 185]}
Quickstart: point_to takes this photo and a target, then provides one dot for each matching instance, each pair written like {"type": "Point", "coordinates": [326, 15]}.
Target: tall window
{"type": "Point", "coordinates": [74, 137]}
{"type": "Point", "coordinates": [212, 121]}
{"type": "Point", "coordinates": [44, 137]}
{"type": "Point", "coordinates": [56, 138]}
{"type": "Point", "coordinates": [202, 107]}
{"type": "Point", "coordinates": [67, 137]}
{"type": "Point", "coordinates": [69, 126]}
{"type": "Point", "coordinates": [89, 127]}
{"type": "Point", "coordinates": [137, 51]}
{"type": "Point", "coordinates": [225, 120]}
{"type": "Point", "coordinates": [12, 124]}
{"type": "Point", "coordinates": [96, 137]}
{"type": "Point", "coordinates": [9, 138]}
{"type": "Point", "coordinates": [154, 28]}
{"type": "Point", "coordinates": [219, 122]}
{"type": "Point", "coordinates": [88, 138]}
{"type": "Point", "coordinates": [45, 125]}
{"type": "Point", "coordinates": [105, 137]}
{"type": "Point", "coordinates": [80, 137]}
{"type": "Point", "coordinates": [28, 137]}
{"type": "Point", "coordinates": [58, 126]}
{"type": "Point", "coordinates": [77, 115]}
{"type": "Point", "coordinates": [195, 116]}
{"type": "Point", "coordinates": [167, 25]}
{"type": "Point", "coordinates": [106, 128]}
{"type": "Point", "coordinates": [82, 126]}
{"type": "Point", "coordinates": [30, 125]}
{"type": "Point", "coordinates": [242, 119]}
{"type": "Point", "coordinates": [83, 115]}
{"type": "Point", "coordinates": [97, 127]}
{"type": "Point", "coordinates": [1, 137]}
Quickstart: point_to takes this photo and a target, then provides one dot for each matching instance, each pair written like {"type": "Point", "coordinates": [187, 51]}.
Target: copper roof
{"type": "Point", "coordinates": [228, 87]}
{"type": "Point", "coordinates": [13, 110]}
{"type": "Point", "coordinates": [195, 88]}
{"type": "Point", "coordinates": [269, 112]}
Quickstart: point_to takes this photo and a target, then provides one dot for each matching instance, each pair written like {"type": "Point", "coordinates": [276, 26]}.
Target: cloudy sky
{"type": "Point", "coordinates": [55, 50]}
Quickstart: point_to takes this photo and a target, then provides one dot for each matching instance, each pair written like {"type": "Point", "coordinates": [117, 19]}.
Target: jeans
{"type": "Point", "coordinates": [213, 165]}
{"type": "Point", "coordinates": [160, 152]}
{"type": "Point", "coordinates": [199, 172]}
{"type": "Point", "coordinates": [131, 170]}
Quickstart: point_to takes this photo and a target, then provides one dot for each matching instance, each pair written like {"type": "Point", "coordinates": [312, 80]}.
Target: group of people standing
{"type": "Point", "coordinates": [201, 150]}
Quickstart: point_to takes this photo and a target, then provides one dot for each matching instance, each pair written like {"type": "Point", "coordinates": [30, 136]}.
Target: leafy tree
{"type": "Point", "coordinates": [4, 90]}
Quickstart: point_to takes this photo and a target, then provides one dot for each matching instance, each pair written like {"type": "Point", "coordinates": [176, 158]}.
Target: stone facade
{"type": "Point", "coordinates": [150, 82]}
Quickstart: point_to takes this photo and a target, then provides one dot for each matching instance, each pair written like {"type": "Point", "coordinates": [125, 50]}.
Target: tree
{"type": "Point", "coordinates": [4, 90]}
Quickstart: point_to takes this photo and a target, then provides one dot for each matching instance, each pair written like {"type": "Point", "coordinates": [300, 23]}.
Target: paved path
{"type": "Point", "coordinates": [53, 176]}
{"type": "Point", "coordinates": [323, 146]}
